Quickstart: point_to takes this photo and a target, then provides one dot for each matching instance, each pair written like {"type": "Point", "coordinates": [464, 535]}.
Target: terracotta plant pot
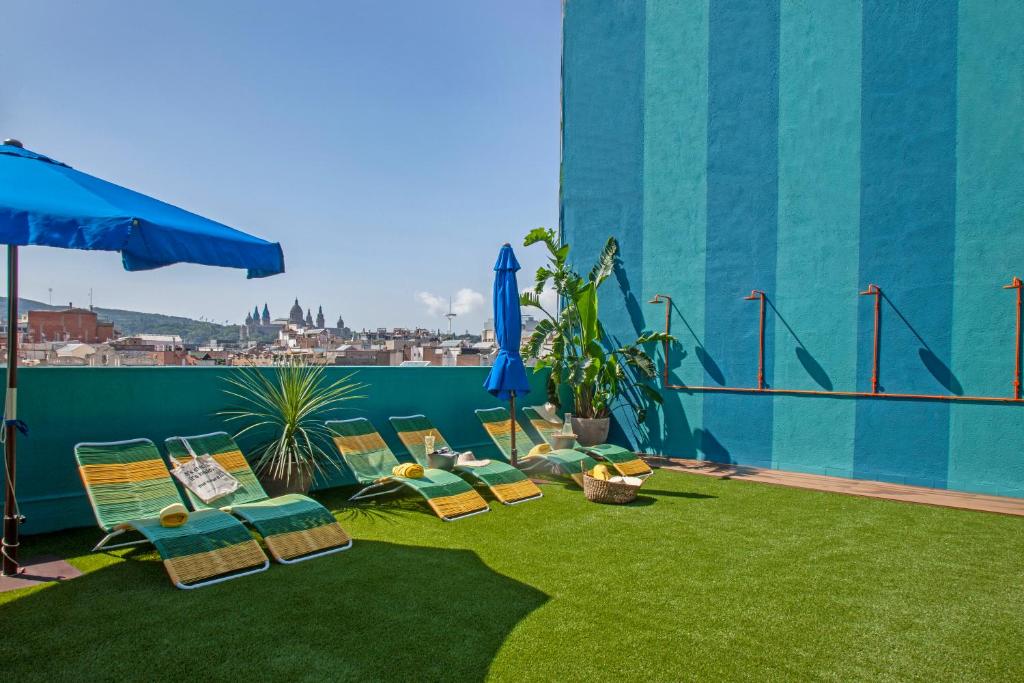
{"type": "Point", "coordinates": [300, 481]}
{"type": "Point", "coordinates": [591, 431]}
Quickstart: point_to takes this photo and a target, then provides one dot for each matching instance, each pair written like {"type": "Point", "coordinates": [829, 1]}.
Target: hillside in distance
{"type": "Point", "coordinates": [136, 322]}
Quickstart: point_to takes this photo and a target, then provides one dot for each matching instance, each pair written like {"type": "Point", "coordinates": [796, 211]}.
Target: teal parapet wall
{"type": "Point", "coordinates": [808, 148]}
{"type": "Point", "coordinates": [64, 406]}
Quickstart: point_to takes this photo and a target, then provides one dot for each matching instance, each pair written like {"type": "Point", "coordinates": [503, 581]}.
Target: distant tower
{"type": "Point", "coordinates": [342, 331]}
{"type": "Point", "coordinates": [451, 316]}
{"type": "Point", "coordinates": [295, 315]}
{"type": "Point", "coordinates": [309, 318]}
{"type": "Point", "coordinates": [266, 314]}
{"type": "Point", "coordinates": [320, 317]}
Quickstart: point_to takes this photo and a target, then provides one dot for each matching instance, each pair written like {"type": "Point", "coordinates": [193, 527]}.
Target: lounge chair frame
{"type": "Point", "coordinates": [540, 460]}
{"type": "Point", "coordinates": [124, 528]}
{"type": "Point", "coordinates": [363, 495]}
{"type": "Point", "coordinates": [528, 411]}
{"type": "Point", "coordinates": [398, 485]}
{"type": "Point", "coordinates": [296, 560]}
{"type": "Point", "coordinates": [469, 471]}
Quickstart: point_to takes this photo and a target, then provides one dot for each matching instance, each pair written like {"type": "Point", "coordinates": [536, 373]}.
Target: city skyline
{"type": "Point", "coordinates": [411, 155]}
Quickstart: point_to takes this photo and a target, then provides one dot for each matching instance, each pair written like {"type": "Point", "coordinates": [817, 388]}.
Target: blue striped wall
{"type": "Point", "coordinates": [742, 217]}
{"type": "Point", "coordinates": [807, 148]}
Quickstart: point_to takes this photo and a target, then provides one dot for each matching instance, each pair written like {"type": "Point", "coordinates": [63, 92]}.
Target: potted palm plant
{"type": "Point", "coordinates": [285, 409]}
{"type": "Point", "coordinates": [574, 346]}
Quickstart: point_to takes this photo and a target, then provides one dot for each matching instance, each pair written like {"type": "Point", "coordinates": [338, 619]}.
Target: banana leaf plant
{"type": "Point", "coordinates": [573, 343]}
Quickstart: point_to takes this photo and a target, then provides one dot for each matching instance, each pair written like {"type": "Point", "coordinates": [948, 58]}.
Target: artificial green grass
{"type": "Point", "coordinates": [700, 579]}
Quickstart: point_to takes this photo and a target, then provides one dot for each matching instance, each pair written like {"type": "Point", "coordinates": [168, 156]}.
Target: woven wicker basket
{"type": "Point", "coordinates": [609, 492]}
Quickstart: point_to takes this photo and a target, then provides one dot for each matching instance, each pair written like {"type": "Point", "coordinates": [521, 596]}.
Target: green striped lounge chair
{"type": "Point", "coordinates": [508, 484]}
{"type": "Point", "coordinates": [294, 527]}
{"type": "Point", "coordinates": [624, 461]}
{"type": "Point", "coordinates": [371, 461]}
{"type": "Point", "coordinates": [565, 461]}
{"type": "Point", "coordinates": [128, 485]}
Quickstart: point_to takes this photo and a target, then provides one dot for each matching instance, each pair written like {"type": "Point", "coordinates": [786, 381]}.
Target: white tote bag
{"type": "Point", "coordinates": [205, 477]}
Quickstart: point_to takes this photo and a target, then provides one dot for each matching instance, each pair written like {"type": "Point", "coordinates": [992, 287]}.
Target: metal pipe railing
{"type": "Point", "coordinates": [876, 392]}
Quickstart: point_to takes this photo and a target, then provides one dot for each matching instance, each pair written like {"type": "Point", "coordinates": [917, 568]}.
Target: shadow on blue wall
{"type": "Point", "coordinates": [809, 363]}
{"type": "Point", "coordinates": [938, 369]}
{"type": "Point", "coordinates": [700, 351]}
{"type": "Point", "coordinates": [636, 314]}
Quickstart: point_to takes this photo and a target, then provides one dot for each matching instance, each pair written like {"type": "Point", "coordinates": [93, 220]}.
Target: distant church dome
{"type": "Point", "coordinates": [266, 314]}
{"type": "Point", "coordinates": [295, 315]}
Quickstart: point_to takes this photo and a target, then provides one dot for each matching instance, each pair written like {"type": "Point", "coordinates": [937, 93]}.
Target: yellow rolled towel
{"type": "Point", "coordinates": [409, 470]}
{"type": "Point", "coordinates": [173, 515]}
{"type": "Point", "coordinates": [601, 472]}
{"type": "Point", "coordinates": [539, 450]}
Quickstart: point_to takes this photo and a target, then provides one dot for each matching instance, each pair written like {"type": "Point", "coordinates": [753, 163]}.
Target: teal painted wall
{"type": "Point", "coordinates": [807, 148]}
{"type": "Point", "coordinates": [64, 406]}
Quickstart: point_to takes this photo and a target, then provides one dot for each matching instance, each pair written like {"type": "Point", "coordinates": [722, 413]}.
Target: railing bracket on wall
{"type": "Point", "coordinates": [758, 295]}
{"type": "Point", "coordinates": [1016, 284]}
{"type": "Point", "coordinates": [875, 291]}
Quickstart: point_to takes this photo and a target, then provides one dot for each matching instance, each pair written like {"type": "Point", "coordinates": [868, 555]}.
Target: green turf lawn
{"type": "Point", "coordinates": [700, 579]}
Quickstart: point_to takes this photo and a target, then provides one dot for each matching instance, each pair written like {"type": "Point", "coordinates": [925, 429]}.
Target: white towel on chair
{"type": "Point", "coordinates": [467, 459]}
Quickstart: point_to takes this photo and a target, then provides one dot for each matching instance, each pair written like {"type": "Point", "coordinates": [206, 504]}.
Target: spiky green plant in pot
{"type": "Point", "coordinates": [284, 410]}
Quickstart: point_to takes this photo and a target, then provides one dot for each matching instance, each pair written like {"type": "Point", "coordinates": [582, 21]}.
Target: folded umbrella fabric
{"type": "Point", "coordinates": [409, 470]}
{"type": "Point", "coordinates": [173, 515]}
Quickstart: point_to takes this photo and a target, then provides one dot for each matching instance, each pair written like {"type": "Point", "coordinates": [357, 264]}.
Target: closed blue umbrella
{"type": "Point", "coordinates": [507, 377]}
{"type": "Point", "coordinates": [45, 202]}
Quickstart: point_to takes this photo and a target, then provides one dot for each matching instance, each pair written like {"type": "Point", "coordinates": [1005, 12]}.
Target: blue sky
{"type": "Point", "coordinates": [390, 147]}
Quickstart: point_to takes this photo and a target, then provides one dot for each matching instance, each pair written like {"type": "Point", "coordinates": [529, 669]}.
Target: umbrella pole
{"type": "Point", "coordinates": [512, 426]}
{"type": "Point", "coordinates": [10, 537]}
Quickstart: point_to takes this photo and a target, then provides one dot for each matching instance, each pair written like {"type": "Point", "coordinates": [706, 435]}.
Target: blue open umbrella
{"type": "Point", "coordinates": [507, 376]}
{"type": "Point", "coordinates": [48, 203]}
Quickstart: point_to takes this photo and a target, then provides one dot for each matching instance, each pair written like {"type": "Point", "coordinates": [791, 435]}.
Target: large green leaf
{"type": "Point", "coordinates": [541, 279]}
{"type": "Point", "coordinates": [529, 300]}
{"type": "Point", "coordinates": [532, 347]}
{"type": "Point", "coordinates": [605, 262]}
{"type": "Point", "coordinates": [654, 337]}
{"type": "Point", "coordinates": [586, 307]}
{"type": "Point", "coordinates": [636, 358]}
{"type": "Point", "coordinates": [545, 235]}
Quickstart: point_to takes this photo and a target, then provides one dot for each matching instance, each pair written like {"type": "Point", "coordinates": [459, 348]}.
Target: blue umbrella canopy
{"type": "Point", "coordinates": [508, 374]}
{"type": "Point", "coordinates": [45, 202]}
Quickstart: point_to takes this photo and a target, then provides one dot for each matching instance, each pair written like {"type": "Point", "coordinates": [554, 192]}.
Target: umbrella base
{"type": "Point", "coordinates": [44, 569]}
